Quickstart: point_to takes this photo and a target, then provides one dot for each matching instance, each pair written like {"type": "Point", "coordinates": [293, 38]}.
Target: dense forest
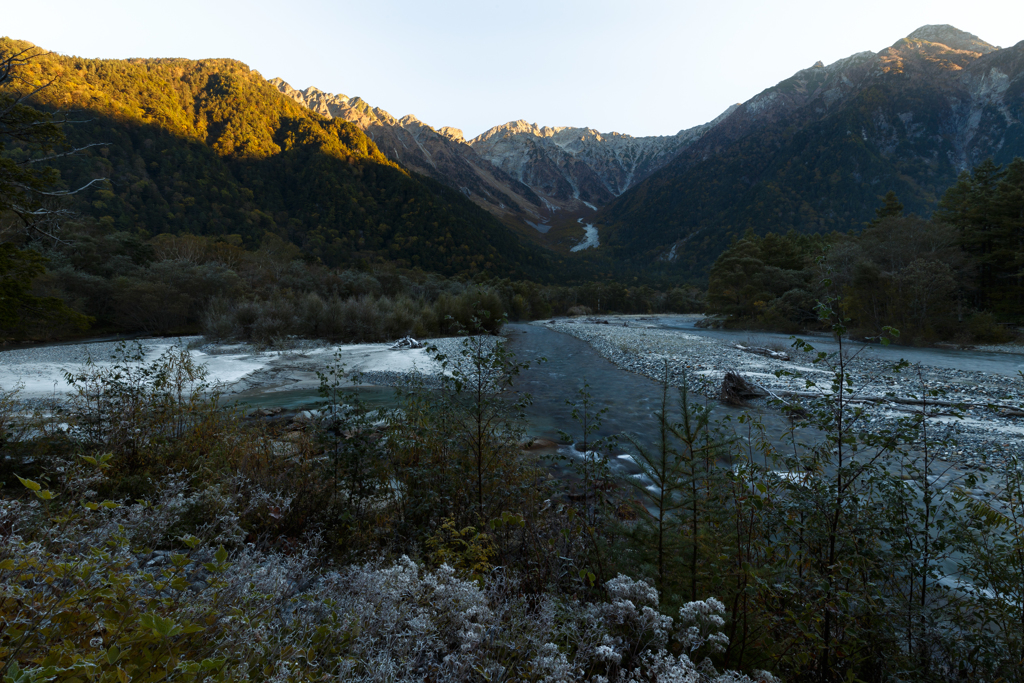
{"type": "Point", "coordinates": [186, 284]}
{"type": "Point", "coordinates": [210, 148]}
{"type": "Point", "coordinates": [958, 276]}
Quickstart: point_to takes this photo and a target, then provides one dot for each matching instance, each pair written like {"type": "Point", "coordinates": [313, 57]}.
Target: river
{"type": "Point", "coordinates": [631, 399]}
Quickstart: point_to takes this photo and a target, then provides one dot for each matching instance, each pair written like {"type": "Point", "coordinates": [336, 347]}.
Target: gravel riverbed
{"type": "Point", "coordinates": [982, 434]}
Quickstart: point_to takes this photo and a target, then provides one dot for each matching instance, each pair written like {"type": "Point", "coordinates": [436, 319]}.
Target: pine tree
{"type": "Point", "coordinates": [987, 207]}
{"type": "Point", "coordinates": [891, 209]}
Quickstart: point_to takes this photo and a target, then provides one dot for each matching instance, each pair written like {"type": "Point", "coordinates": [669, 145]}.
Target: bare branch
{"type": "Point", "coordinates": [67, 153]}
{"type": "Point", "coordinates": [43, 223]}
{"type": "Point", "coordinates": [68, 193]}
{"type": "Point", "coordinates": [7, 64]}
{"type": "Point", "coordinates": [35, 208]}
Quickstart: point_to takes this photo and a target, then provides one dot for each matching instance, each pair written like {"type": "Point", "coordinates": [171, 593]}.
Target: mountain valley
{"type": "Point", "coordinates": [298, 390]}
{"type": "Point", "coordinates": [517, 170]}
{"type": "Point", "coordinates": [814, 153]}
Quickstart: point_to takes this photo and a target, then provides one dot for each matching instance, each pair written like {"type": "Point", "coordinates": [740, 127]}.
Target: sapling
{"type": "Point", "coordinates": [592, 468]}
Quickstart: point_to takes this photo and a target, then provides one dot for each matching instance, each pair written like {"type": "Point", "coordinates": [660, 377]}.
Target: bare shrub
{"type": "Point", "coordinates": [220, 320]}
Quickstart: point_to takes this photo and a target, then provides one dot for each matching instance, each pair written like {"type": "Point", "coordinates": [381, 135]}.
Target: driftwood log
{"type": "Point", "coordinates": [761, 351]}
{"type": "Point", "coordinates": [1011, 411]}
{"type": "Point", "coordinates": [407, 343]}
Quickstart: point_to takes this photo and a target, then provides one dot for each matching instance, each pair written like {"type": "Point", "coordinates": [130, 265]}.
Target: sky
{"type": "Point", "coordinates": [641, 67]}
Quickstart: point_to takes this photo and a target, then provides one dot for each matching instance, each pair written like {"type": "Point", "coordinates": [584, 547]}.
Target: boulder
{"type": "Point", "coordinates": [736, 390]}
{"type": "Point", "coordinates": [534, 444]}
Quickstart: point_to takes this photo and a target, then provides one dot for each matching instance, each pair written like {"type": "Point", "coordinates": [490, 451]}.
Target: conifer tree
{"type": "Point", "coordinates": [891, 209]}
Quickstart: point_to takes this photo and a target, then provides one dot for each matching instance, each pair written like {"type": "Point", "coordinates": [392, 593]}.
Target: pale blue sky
{"type": "Point", "coordinates": [642, 67]}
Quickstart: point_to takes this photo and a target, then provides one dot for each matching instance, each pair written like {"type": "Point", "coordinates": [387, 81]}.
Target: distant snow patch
{"type": "Point", "coordinates": [595, 208]}
{"type": "Point", "coordinates": [590, 240]}
{"type": "Point", "coordinates": [539, 227]}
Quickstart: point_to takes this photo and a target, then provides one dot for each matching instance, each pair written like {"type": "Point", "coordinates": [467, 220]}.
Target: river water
{"type": "Point", "coordinates": [631, 399]}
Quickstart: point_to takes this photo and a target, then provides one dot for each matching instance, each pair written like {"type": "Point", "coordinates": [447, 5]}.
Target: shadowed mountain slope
{"type": "Point", "coordinates": [441, 154]}
{"type": "Point", "coordinates": [818, 151]}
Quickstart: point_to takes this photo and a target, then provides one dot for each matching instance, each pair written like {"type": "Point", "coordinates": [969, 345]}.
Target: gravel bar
{"type": "Point", "coordinates": [982, 435]}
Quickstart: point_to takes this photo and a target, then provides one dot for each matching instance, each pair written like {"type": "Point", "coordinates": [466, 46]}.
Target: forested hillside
{"type": "Point", "coordinates": [817, 152]}
{"type": "Point", "coordinates": [210, 148]}
{"type": "Point", "coordinates": [958, 276]}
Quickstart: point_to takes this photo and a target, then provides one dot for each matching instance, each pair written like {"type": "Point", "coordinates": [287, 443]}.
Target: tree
{"type": "Point", "coordinates": [27, 184]}
{"type": "Point", "coordinates": [676, 490]}
{"type": "Point", "coordinates": [456, 449]}
{"type": "Point", "coordinates": [987, 208]}
{"type": "Point", "coordinates": [20, 310]}
{"type": "Point", "coordinates": [891, 209]}
{"type": "Point", "coordinates": [25, 188]}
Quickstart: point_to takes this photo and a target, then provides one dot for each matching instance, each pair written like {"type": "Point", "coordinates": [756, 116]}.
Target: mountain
{"type": "Point", "coordinates": [516, 170]}
{"type": "Point", "coordinates": [818, 151]}
{"type": "Point", "coordinates": [572, 166]}
{"type": "Point", "coordinates": [440, 154]}
{"type": "Point", "coordinates": [209, 147]}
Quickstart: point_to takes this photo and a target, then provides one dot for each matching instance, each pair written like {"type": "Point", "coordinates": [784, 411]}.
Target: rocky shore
{"type": "Point", "coordinates": [980, 414]}
{"type": "Point", "coordinates": [35, 376]}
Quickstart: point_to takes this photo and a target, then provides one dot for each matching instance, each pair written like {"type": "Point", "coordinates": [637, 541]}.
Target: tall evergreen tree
{"type": "Point", "coordinates": [891, 209]}
{"type": "Point", "coordinates": [987, 208]}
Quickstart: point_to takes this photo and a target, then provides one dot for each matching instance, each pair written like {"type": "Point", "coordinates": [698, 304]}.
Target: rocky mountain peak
{"type": "Point", "coordinates": [441, 154]}
{"type": "Point", "coordinates": [517, 168]}
{"type": "Point", "coordinates": [950, 36]}
{"type": "Point", "coordinates": [453, 134]}
{"type": "Point", "coordinates": [281, 85]}
{"type": "Point", "coordinates": [518, 127]}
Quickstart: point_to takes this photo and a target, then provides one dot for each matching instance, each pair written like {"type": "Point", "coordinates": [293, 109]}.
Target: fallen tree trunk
{"type": "Point", "coordinates": [1013, 411]}
{"type": "Point", "coordinates": [761, 351]}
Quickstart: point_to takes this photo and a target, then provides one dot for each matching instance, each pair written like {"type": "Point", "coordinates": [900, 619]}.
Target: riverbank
{"type": "Point", "coordinates": [235, 370]}
{"type": "Point", "coordinates": [983, 434]}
